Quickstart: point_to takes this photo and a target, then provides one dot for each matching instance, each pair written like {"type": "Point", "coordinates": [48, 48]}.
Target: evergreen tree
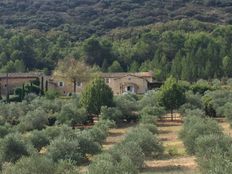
{"type": "Point", "coordinates": [172, 95]}
{"type": "Point", "coordinates": [227, 66]}
{"type": "Point", "coordinates": [96, 95]}
{"type": "Point", "coordinates": [115, 67]}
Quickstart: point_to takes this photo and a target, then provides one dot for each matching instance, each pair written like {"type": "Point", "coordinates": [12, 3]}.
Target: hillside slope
{"type": "Point", "coordinates": [83, 18]}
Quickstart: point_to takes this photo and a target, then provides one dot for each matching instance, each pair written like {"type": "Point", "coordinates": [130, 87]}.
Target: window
{"type": "Point", "coordinates": [61, 84]}
{"type": "Point", "coordinates": [78, 84]}
{"type": "Point", "coordinates": [107, 80]}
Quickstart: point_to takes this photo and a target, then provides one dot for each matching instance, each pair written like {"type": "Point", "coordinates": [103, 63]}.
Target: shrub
{"type": "Point", "coordinates": [39, 139]}
{"type": "Point", "coordinates": [132, 150]}
{"type": "Point", "coordinates": [65, 149]}
{"type": "Point", "coordinates": [127, 105]}
{"type": "Point", "coordinates": [150, 99]}
{"type": "Point", "coordinates": [201, 87]}
{"type": "Point", "coordinates": [194, 127]}
{"type": "Point", "coordinates": [104, 164]}
{"type": "Point", "coordinates": [214, 101]}
{"type": "Point", "coordinates": [37, 119]}
{"type": "Point", "coordinates": [110, 113]}
{"type": "Point", "coordinates": [126, 165]}
{"type": "Point", "coordinates": [227, 112]}
{"type": "Point", "coordinates": [72, 115]}
{"type": "Point", "coordinates": [149, 143]}
{"type": "Point", "coordinates": [87, 145]}
{"type": "Point", "coordinates": [4, 130]}
{"type": "Point", "coordinates": [193, 112]}
{"type": "Point", "coordinates": [96, 134]}
{"type": "Point", "coordinates": [155, 111]}
{"type": "Point", "coordinates": [28, 165]}
{"type": "Point", "coordinates": [210, 149]}
{"type": "Point", "coordinates": [52, 132]}
{"type": "Point", "coordinates": [51, 94]}
{"type": "Point", "coordinates": [72, 145]}
{"type": "Point", "coordinates": [193, 101]}
{"type": "Point", "coordinates": [151, 127]}
{"type": "Point", "coordinates": [13, 148]}
{"type": "Point", "coordinates": [39, 165]}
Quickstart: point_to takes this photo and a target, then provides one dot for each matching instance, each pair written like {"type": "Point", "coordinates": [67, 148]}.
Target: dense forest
{"type": "Point", "coordinates": [189, 39]}
{"type": "Point", "coordinates": [83, 18]}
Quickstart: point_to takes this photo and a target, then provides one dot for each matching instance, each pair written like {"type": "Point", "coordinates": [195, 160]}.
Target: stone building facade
{"type": "Point", "coordinates": [120, 83]}
{"type": "Point", "coordinates": [10, 81]}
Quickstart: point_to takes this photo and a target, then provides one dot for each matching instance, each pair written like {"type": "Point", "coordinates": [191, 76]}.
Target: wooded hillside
{"type": "Point", "coordinates": [83, 18]}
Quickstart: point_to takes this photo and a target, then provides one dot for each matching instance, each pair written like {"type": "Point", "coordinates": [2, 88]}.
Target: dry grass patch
{"type": "Point", "coordinates": [226, 128]}
{"type": "Point", "coordinates": [116, 135]}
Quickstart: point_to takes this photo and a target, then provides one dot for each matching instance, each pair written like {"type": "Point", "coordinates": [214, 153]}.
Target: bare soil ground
{"type": "Point", "coordinates": [175, 160]}
{"type": "Point", "coordinates": [226, 127]}
{"type": "Point", "coordinates": [116, 135]}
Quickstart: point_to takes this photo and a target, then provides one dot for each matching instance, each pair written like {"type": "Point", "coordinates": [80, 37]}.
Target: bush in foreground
{"type": "Point", "coordinates": [150, 144]}
{"type": "Point", "coordinates": [39, 165]}
{"type": "Point", "coordinates": [195, 127]}
{"type": "Point", "coordinates": [214, 153]}
{"type": "Point", "coordinates": [13, 148]}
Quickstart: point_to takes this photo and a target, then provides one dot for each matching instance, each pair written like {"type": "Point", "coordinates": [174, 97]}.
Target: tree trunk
{"type": "Point", "coordinates": [75, 86]}
{"type": "Point", "coordinates": [172, 115]}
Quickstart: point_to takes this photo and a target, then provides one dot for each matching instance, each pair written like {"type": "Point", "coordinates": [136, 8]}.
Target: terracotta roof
{"type": "Point", "coordinates": [20, 75]}
{"type": "Point", "coordinates": [118, 75]}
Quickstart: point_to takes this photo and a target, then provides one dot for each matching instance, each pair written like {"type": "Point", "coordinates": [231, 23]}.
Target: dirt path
{"type": "Point", "coordinates": [116, 135]}
{"type": "Point", "coordinates": [226, 127]}
{"type": "Point", "coordinates": [175, 161]}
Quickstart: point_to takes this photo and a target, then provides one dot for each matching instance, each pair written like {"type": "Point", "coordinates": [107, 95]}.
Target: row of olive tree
{"type": "Point", "coordinates": [204, 138]}
{"type": "Point", "coordinates": [57, 145]}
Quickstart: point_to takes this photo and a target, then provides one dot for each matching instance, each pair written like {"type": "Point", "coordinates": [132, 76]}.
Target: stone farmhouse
{"type": "Point", "coordinates": [10, 81]}
{"type": "Point", "coordinates": [120, 83]}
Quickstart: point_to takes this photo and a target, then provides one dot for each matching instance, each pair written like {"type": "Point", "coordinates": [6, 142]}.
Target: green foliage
{"type": "Point", "coordinates": [215, 101]}
{"type": "Point", "coordinates": [51, 94]}
{"type": "Point", "coordinates": [107, 164]}
{"type": "Point", "coordinates": [149, 143]}
{"type": "Point", "coordinates": [39, 165]}
{"type": "Point", "coordinates": [128, 105]}
{"type": "Point", "coordinates": [116, 15]}
{"type": "Point", "coordinates": [13, 148]}
{"type": "Point", "coordinates": [201, 86]}
{"type": "Point", "coordinates": [193, 102]}
{"type": "Point", "coordinates": [214, 153]}
{"type": "Point", "coordinates": [72, 115]}
{"type": "Point", "coordinates": [195, 127]}
{"type": "Point", "coordinates": [37, 119]}
{"type": "Point", "coordinates": [4, 130]}
{"type": "Point", "coordinates": [64, 149]}
{"type": "Point", "coordinates": [172, 95]}
{"type": "Point", "coordinates": [151, 127]}
{"type": "Point", "coordinates": [131, 150]}
{"type": "Point", "coordinates": [115, 67]}
{"type": "Point", "coordinates": [39, 139]}
{"type": "Point", "coordinates": [111, 113]}
{"type": "Point", "coordinates": [103, 164]}
{"type": "Point", "coordinates": [96, 95]}
{"type": "Point", "coordinates": [227, 112]}
{"type": "Point", "coordinates": [155, 112]}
